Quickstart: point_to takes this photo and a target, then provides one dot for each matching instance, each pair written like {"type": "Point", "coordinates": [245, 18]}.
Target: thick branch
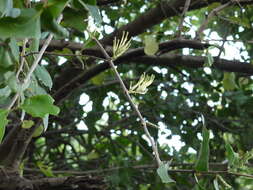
{"type": "Point", "coordinates": [166, 61]}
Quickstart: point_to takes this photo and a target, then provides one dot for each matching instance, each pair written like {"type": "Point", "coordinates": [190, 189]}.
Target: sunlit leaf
{"type": "Point", "coordinates": [229, 81]}
{"type": "Point", "coordinates": [27, 124]}
{"type": "Point", "coordinates": [151, 45]}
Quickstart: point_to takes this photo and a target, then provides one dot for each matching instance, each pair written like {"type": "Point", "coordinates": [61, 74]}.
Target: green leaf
{"type": "Point", "coordinates": [229, 81]}
{"type": "Point", "coordinates": [75, 19]}
{"type": "Point", "coordinates": [55, 7]}
{"type": "Point", "coordinates": [14, 49]}
{"type": "Point", "coordinates": [45, 170]}
{"type": "Point", "coordinates": [233, 157]}
{"type": "Point", "coordinates": [27, 24]}
{"type": "Point", "coordinates": [162, 171]}
{"type": "Point", "coordinates": [5, 92]}
{"type": "Point", "coordinates": [98, 79]}
{"type": "Point", "coordinates": [3, 122]}
{"type": "Point", "coordinates": [34, 88]}
{"type": "Point", "coordinates": [151, 45]}
{"type": "Point", "coordinates": [92, 155]}
{"type": "Point", "coordinates": [27, 124]}
{"type": "Point", "coordinates": [5, 58]}
{"type": "Point", "coordinates": [50, 14]}
{"type": "Point", "coordinates": [50, 24]}
{"type": "Point", "coordinates": [38, 131]}
{"type": "Point", "coordinates": [40, 106]}
{"type": "Point", "coordinates": [94, 12]}
{"type": "Point", "coordinates": [34, 45]}
{"type": "Point", "coordinates": [13, 83]}
{"type": "Point", "coordinates": [42, 75]}
{"type": "Point", "coordinates": [203, 157]}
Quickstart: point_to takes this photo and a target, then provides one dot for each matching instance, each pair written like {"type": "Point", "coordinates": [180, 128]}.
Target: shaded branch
{"type": "Point", "coordinates": [166, 61]}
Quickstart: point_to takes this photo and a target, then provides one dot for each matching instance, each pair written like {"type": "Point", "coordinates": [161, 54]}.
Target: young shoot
{"type": "Point", "coordinates": [120, 46]}
{"type": "Point", "coordinates": [141, 86]}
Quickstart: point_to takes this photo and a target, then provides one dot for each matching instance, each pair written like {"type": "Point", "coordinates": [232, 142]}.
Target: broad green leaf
{"type": "Point", "coordinates": [75, 19]}
{"type": "Point", "coordinates": [49, 16]}
{"type": "Point", "coordinates": [40, 106]}
{"type": "Point", "coordinates": [203, 155]}
{"type": "Point", "coordinates": [151, 45]}
{"type": "Point", "coordinates": [34, 88]}
{"type": "Point", "coordinates": [215, 184]}
{"type": "Point", "coordinates": [55, 7]}
{"type": "Point", "coordinates": [49, 23]}
{"type": "Point", "coordinates": [27, 24]}
{"type": "Point", "coordinates": [3, 122]}
{"type": "Point", "coordinates": [38, 131]}
{"type": "Point", "coordinates": [27, 124]}
{"type": "Point", "coordinates": [233, 157]}
{"type": "Point", "coordinates": [94, 12]}
{"type": "Point", "coordinates": [42, 75]}
{"type": "Point", "coordinates": [229, 81]}
{"type": "Point", "coordinates": [162, 171]}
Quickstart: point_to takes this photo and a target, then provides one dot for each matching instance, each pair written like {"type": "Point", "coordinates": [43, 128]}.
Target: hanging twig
{"type": "Point", "coordinates": [186, 7]}
{"type": "Point", "coordinates": [212, 14]}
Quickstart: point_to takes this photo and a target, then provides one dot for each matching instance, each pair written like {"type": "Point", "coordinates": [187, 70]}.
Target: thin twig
{"type": "Point", "coordinates": [141, 167]}
{"type": "Point", "coordinates": [22, 58]}
{"type": "Point", "coordinates": [62, 54]}
{"type": "Point", "coordinates": [186, 7]}
{"type": "Point", "coordinates": [212, 14]}
{"type": "Point", "coordinates": [125, 90]}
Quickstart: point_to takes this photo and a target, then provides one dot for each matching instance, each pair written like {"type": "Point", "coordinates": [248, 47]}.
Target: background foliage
{"type": "Point", "coordinates": [201, 97]}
